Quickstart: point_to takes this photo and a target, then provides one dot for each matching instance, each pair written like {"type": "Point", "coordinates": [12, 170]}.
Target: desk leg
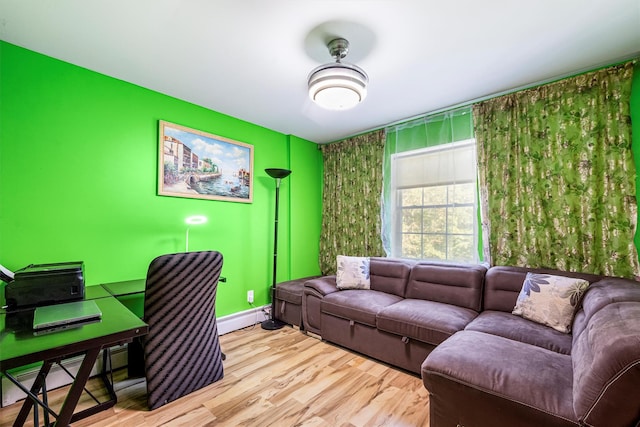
{"type": "Point", "coordinates": [33, 392]}
{"type": "Point", "coordinates": [107, 381]}
{"type": "Point", "coordinates": [66, 415]}
{"type": "Point", "coordinates": [135, 358]}
{"type": "Point", "coordinates": [69, 405]}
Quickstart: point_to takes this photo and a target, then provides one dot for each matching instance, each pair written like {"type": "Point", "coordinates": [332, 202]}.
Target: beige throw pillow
{"type": "Point", "coordinates": [353, 272]}
{"type": "Point", "coordinates": [550, 300]}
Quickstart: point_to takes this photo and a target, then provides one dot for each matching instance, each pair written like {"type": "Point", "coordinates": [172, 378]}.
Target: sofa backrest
{"type": "Point", "coordinates": [389, 275]}
{"type": "Point", "coordinates": [606, 356]}
{"type": "Point", "coordinates": [455, 284]}
{"type": "Point", "coordinates": [503, 284]}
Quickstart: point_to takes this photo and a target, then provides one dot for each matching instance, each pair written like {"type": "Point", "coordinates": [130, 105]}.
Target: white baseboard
{"type": "Point", "coordinates": [241, 319]}
{"type": "Point", "coordinates": [58, 377]}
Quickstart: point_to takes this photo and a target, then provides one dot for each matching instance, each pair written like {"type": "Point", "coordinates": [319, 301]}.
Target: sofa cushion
{"type": "Point", "coordinates": [518, 372]}
{"type": "Point", "coordinates": [516, 328]}
{"type": "Point", "coordinates": [427, 321]}
{"type": "Point", "coordinates": [353, 272]}
{"type": "Point", "coordinates": [550, 300]}
{"type": "Point", "coordinates": [390, 275]}
{"type": "Point", "coordinates": [460, 285]}
{"type": "Point", "coordinates": [361, 306]}
{"type": "Point", "coordinates": [502, 284]}
{"type": "Point", "coordinates": [606, 366]}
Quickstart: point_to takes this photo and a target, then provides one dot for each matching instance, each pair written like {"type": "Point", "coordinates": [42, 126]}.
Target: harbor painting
{"type": "Point", "coordinates": [200, 165]}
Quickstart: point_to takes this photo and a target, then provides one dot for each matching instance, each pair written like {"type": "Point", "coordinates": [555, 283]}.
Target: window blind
{"type": "Point", "coordinates": [440, 165]}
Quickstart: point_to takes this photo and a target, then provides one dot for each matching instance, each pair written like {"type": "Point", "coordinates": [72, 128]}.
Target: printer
{"type": "Point", "coordinates": [45, 284]}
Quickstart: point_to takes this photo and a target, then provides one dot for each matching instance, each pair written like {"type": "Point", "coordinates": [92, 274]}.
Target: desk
{"type": "Point", "coordinates": [19, 347]}
{"type": "Point", "coordinates": [131, 294]}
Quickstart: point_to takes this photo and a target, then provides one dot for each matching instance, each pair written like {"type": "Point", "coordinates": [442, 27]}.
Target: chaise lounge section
{"type": "Point", "coordinates": [505, 370]}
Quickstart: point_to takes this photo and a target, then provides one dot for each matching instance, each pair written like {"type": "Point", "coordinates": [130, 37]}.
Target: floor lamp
{"type": "Point", "coordinates": [272, 323]}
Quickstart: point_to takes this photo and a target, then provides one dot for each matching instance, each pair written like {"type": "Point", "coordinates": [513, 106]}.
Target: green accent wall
{"type": "Point", "coordinates": [305, 208]}
{"type": "Point", "coordinates": [78, 182]}
{"type": "Point", "coordinates": [78, 178]}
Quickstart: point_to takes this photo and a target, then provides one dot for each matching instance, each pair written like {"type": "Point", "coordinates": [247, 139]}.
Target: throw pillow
{"type": "Point", "coordinates": [550, 300]}
{"type": "Point", "coordinates": [353, 272]}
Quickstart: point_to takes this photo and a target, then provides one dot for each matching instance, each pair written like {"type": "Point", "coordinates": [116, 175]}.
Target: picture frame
{"type": "Point", "coordinates": [200, 165]}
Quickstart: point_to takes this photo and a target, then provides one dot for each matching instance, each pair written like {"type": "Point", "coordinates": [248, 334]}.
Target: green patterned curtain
{"type": "Point", "coordinates": [557, 175]}
{"type": "Point", "coordinates": [351, 199]}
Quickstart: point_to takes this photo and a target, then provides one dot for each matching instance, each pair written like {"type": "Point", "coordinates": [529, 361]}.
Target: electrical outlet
{"type": "Point", "coordinates": [250, 297]}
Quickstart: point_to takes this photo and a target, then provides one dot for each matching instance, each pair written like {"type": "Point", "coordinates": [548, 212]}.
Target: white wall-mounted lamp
{"type": "Point", "coordinates": [193, 220]}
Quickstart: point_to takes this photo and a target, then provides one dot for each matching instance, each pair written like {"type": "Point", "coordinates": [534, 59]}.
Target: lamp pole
{"type": "Point", "coordinates": [272, 323]}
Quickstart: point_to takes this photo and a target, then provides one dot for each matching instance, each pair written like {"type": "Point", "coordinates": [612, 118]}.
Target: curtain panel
{"type": "Point", "coordinates": [351, 199]}
{"type": "Point", "coordinates": [557, 175]}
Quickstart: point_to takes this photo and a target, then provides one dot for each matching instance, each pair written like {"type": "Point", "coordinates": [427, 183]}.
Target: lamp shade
{"type": "Point", "coordinates": [277, 173]}
{"type": "Point", "coordinates": [195, 219]}
{"type": "Point", "coordinates": [338, 86]}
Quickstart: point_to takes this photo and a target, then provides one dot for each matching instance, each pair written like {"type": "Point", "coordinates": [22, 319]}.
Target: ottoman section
{"type": "Point", "coordinates": [289, 301]}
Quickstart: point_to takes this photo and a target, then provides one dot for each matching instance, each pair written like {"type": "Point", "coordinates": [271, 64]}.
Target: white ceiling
{"type": "Point", "coordinates": [250, 58]}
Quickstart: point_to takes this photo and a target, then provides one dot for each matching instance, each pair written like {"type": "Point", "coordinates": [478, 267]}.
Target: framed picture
{"type": "Point", "coordinates": [199, 165]}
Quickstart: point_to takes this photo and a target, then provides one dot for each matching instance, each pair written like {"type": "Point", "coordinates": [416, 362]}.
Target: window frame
{"type": "Point", "coordinates": [397, 207]}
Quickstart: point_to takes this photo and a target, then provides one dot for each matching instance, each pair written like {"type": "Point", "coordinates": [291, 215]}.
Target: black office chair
{"type": "Point", "coordinates": [182, 352]}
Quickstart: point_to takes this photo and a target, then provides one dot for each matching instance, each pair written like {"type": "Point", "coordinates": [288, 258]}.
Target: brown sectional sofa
{"type": "Point", "coordinates": [482, 365]}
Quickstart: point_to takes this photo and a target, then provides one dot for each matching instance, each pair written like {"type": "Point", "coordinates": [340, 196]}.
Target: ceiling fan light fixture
{"type": "Point", "coordinates": [338, 85]}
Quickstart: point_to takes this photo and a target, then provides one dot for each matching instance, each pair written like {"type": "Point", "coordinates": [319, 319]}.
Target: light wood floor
{"type": "Point", "coordinates": [275, 378]}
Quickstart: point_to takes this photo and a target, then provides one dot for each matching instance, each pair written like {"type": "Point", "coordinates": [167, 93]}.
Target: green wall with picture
{"type": "Point", "coordinates": [78, 182]}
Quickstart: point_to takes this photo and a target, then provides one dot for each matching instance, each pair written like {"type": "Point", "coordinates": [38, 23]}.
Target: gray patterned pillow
{"type": "Point", "coordinates": [353, 272]}
{"type": "Point", "coordinates": [550, 300]}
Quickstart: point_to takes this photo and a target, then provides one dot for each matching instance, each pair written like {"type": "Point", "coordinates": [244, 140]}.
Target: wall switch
{"type": "Point", "coordinates": [250, 297]}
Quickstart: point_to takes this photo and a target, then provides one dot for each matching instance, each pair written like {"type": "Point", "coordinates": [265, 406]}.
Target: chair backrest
{"type": "Point", "coordinates": [182, 351]}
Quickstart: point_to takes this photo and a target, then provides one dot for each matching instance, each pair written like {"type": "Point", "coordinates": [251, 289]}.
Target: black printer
{"type": "Point", "coordinates": [44, 284]}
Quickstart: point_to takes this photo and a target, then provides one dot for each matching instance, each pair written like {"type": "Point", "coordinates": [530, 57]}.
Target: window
{"type": "Point", "coordinates": [435, 209]}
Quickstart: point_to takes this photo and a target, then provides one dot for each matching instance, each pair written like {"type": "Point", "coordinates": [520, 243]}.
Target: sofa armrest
{"type": "Point", "coordinates": [606, 366]}
{"type": "Point", "coordinates": [312, 295]}
{"type": "Point", "coordinates": [322, 285]}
